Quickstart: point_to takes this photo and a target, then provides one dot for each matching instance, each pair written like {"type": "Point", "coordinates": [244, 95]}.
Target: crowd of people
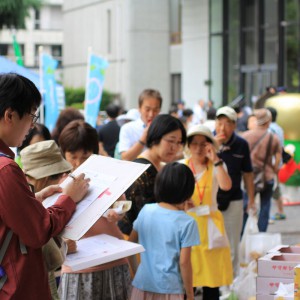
{"type": "Point", "coordinates": [188, 208]}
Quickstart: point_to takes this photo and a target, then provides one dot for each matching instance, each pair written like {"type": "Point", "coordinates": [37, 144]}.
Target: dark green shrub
{"type": "Point", "coordinates": [75, 98]}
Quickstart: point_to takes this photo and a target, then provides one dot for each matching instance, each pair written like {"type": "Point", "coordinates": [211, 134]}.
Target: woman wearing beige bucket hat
{"type": "Point", "coordinates": [44, 165]}
{"type": "Point", "coordinates": [211, 260]}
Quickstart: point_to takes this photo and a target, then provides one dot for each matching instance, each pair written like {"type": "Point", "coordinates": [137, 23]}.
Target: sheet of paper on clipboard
{"type": "Point", "coordinates": [110, 178]}
{"type": "Point", "coordinates": [100, 249]}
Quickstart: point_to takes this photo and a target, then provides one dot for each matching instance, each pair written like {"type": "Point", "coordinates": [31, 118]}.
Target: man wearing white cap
{"type": "Point", "coordinates": [234, 150]}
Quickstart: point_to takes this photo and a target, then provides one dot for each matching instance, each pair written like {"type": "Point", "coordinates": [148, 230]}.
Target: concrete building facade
{"type": "Point", "coordinates": [43, 28]}
{"type": "Point", "coordinates": [160, 44]}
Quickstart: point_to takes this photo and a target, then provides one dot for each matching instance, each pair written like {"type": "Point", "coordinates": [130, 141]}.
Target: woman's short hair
{"type": "Point", "coordinates": [174, 184]}
{"type": "Point", "coordinates": [162, 125]}
{"type": "Point", "coordinates": [18, 93]}
{"type": "Point", "coordinates": [79, 135]}
{"type": "Point", "coordinates": [66, 116]}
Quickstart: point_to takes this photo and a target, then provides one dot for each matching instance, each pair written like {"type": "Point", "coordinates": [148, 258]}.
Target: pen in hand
{"type": "Point", "coordinates": [77, 188]}
{"type": "Point", "coordinates": [72, 176]}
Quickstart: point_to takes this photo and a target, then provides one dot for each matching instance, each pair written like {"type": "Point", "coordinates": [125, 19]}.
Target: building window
{"type": "Point", "coordinates": [56, 52]}
{"type": "Point", "coordinates": [4, 49]}
{"type": "Point", "coordinates": [291, 50]}
{"type": "Point", "coordinates": [233, 50]}
{"type": "Point", "coordinates": [7, 50]}
{"type": "Point", "coordinates": [253, 44]}
{"type": "Point", "coordinates": [37, 19]}
{"type": "Point", "coordinates": [36, 56]}
{"type": "Point", "coordinates": [216, 52]}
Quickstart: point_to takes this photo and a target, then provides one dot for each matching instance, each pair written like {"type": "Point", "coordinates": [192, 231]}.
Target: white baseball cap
{"type": "Point", "coordinates": [200, 129]}
{"type": "Point", "coordinates": [228, 112]}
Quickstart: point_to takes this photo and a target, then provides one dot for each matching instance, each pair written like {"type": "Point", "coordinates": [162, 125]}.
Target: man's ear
{"type": "Point", "coordinates": [8, 114]}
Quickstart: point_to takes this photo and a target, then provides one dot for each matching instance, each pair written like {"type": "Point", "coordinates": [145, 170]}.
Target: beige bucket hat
{"type": "Point", "coordinates": [43, 159]}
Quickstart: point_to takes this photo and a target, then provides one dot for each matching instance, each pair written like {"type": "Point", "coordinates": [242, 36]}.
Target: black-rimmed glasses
{"type": "Point", "coordinates": [34, 117]}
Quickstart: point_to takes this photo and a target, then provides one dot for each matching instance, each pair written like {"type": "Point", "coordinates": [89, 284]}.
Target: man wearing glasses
{"type": "Point", "coordinates": [25, 225]}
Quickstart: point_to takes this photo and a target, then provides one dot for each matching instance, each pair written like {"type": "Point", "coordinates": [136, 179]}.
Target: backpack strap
{"type": "Point", "coordinates": [5, 155]}
{"type": "Point", "coordinates": [257, 142]}
{"type": "Point", "coordinates": [268, 149]}
{"type": "Point", "coordinates": [3, 275]}
{"type": "Point", "coordinates": [22, 247]}
{"type": "Point", "coordinates": [3, 249]}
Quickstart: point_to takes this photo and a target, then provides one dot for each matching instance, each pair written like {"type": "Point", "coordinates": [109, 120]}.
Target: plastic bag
{"type": "Point", "coordinates": [216, 239]}
{"type": "Point", "coordinates": [244, 286]}
{"type": "Point", "coordinates": [250, 228]}
{"type": "Point", "coordinates": [258, 244]}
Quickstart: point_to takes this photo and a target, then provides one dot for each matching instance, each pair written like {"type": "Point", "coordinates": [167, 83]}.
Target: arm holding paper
{"type": "Point", "coordinates": [76, 190]}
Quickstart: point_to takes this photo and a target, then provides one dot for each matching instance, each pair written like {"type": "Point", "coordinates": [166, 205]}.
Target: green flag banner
{"type": "Point", "coordinates": [18, 52]}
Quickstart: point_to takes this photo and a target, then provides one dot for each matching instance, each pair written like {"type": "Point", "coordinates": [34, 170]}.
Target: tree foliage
{"type": "Point", "coordinates": [14, 12]}
{"type": "Point", "coordinates": [75, 97]}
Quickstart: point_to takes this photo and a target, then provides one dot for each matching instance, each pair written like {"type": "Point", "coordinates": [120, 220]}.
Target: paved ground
{"type": "Point", "coordinates": [289, 228]}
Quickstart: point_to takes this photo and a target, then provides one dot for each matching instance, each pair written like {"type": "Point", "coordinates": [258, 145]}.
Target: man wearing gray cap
{"type": "Point", "coordinates": [234, 151]}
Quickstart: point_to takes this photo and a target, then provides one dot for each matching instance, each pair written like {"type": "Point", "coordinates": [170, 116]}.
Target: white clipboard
{"type": "Point", "coordinates": [122, 174]}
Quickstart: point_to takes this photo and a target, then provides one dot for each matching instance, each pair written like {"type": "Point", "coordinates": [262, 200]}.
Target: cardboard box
{"type": "Point", "coordinates": [269, 285]}
{"type": "Point", "coordinates": [264, 297]}
{"type": "Point", "coordinates": [273, 297]}
{"type": "Point", "coordinates": [297, 282]}
{"type": "Point", "coordinates": [286, 249]}
{"type": "Point", "coordinates": [278, 265]}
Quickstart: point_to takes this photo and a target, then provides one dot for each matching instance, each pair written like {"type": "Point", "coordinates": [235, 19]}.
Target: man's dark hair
{"type": "Point", "coordinates": [162, 125]}
{"type": "Point", "coordinates": [211, 113]}
{"type": "Point", "coordinates": [79, 135]}
{"type": "Point", "coordinates": [187, 112]}
{"type": "Point", "coordinates": [18, 93]}
{"type": "Point", "coordinates": [174, 184]}
{"type": "Point", "coordinates": [112, 110]}
{"type": "Point", "coordinates": [173, 109]}
{"type": "Point", "coordinates": [273, 112]}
